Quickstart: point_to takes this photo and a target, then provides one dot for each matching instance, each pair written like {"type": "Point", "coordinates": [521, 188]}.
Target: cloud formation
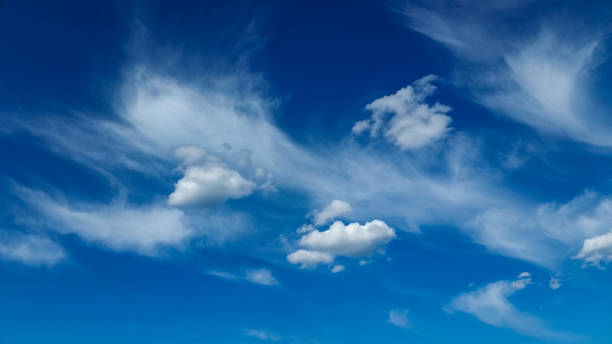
{"type": "Point", "coordinates": [353, 240]}
{"type": "Point", "coordinates": [491, 305]}
{"type": "Point", "coordinates": [145, 229]}
{"type": "Point", "coordinates": [596, 250]}
{"type": "Point", "coordinates": [413, 123]}
{"type": "Point", "coordinates": [331, 211]}
{"type": "Point", "coordinates": [538, 76]}
{"type": "Point", "coordinates": [261, 276]}
{"type": "Point", "coordinates": [30, 249]}
{"type": "Point", "coordinates": [399, 318]}
{"type": "Point", "coordinates": [206, 181]}
{"type": "Point", "coordinates": [308, 258]}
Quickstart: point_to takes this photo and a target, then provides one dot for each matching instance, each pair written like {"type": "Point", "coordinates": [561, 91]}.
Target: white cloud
{"type": "Point", "coordinates": [162, 114]}
{"type": "Point", "coordinates": [596, 250]}
{"type": "Point", "coordinates": [352, 240]}
{"type": "Point", "coordinates": [332, 210]}
{"type": "Point", "coordinates": [309, 258]}
{"type": "Point", "coordinates": [337, 268]}
{"type": "Point", "coordinates": [144, 230]}
{"type": "Point", "coordinates": [261, 276]}
{"type": "Point", "coordinates": [554, 283]}
{"type": "Point", "coordinates": [190, 154]}
{"type": "Point", "coordinates": [208, 185]}
{"type": "Point", "coordinates": [399, 318]}
{"type": "Point", "coordinates": [413, 123]}
{"type": "Point", "coordinates": [490, 304]}
{"type": "Point", "coordinates": [207, 181]}
{"type": "Point", "coordinates": [535, 73]}
{"type": "Point", "coordinates": [264, 335]}
{"type": "Point", "coordinates": [30, 249]}
{"type": "Point", "coordinates": [545, 233]}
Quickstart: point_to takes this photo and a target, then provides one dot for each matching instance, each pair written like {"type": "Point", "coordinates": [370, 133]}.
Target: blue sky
{"type": "Point", "coordinates": [305, 172]}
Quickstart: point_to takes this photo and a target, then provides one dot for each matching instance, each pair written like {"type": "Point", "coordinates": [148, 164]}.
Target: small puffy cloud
{"type": "Point", "coordinates": [261, 276]}
{"type": "Point", "coordinates": [554, 283]}
{"type": "Point", "coordinates": [399, 318]}
{"type": "Point", "coordinates": [334, 209]}
{"type": "Point", "coordinates": [208, 185]}
{"type": "Point", "coordinates": [31, 249]}
{"type": "Point", "coordinates": [352, 240]}
{"type": "Point", "coordinates": [490, 304]}
{"type": "Point", "coordinates": [206, 181]}
{"type": "Point", "coordinates": [596, 250]}
{"type": "Point", "coordinates": [337, 268]}
{"type": "Point", "coordinates": [309, 258]}
{"type": "Point", "coordinates": [413, 123]}
{"type": "Point", "coordinates": [264, 335]}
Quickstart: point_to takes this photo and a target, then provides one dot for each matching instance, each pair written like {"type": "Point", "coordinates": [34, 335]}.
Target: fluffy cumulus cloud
{"type": "Point", "coordinates": [209, 185]}
{"type": "Point", "coordinates": [353, 240]}
{"type": "Point", "coordinates": [491, 305]}
{"type": "Point", "coordinates": [399, 318]}
{"type": "Point", "coordinates": [30, 249]}
{"type": "Point", "coordinates": [596, 250]}
{"type": "Point", "coordinates": [332, 210]}
{"type": "Point", "coordinates": [405, 119]}
{"type": "Point", "coordinates": [206, 181]}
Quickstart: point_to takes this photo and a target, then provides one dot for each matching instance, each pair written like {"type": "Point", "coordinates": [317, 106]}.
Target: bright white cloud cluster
{"type": "Point", "coordinates": [30, 249]}
{"type": "Point", "coordinates": [490, 304]}
{"type": "Point", "coordinates": [207, 183]}
{"type": "Point", "coordinates": [413, 123]}
{"type": "Point", "coordinates": [352, 240]}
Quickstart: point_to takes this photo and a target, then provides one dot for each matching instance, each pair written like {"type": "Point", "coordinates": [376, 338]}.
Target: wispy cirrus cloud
{"type": "Point", "coordinates": [491, 305]}
{"type": "Point", "coordinates": [261, 276]}
{"type": "Point", "coordinates": [535, 72]}
{"type": "Point", "coordinates": [30, 249]}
